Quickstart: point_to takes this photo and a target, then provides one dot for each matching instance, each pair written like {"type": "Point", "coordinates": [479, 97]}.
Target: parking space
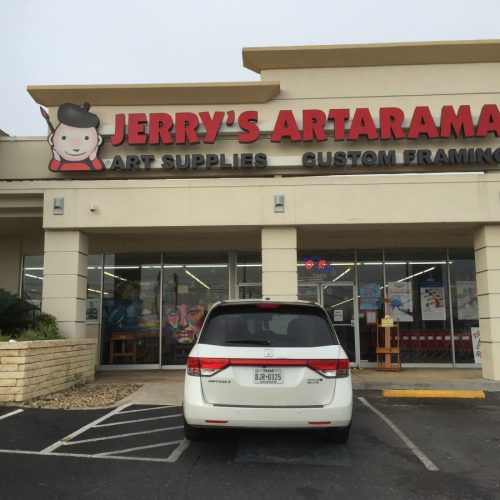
{"type": "Point", "coordinates": [130, 431]}
{"type": "Point", "coordinates": [35, 429]}
{"type": "Point", "coordinates": [140, 451]}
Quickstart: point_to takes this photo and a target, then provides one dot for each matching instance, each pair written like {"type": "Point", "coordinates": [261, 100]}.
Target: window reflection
{"type": "Point", "coordinates": [417, 286]}
{"type": "Point", "coordinates": [131, 301]}
{"type": "Point", "coordinates": [249, 275]}
{"type": "Point", "coordinates": [192, 283]}
{"type": "Point", "coordinates": [94, 275]}
{"type": "Point", "coordinates": [465, 306]}
{"type": "Point", "coordinates": [32, 282]}
{"type": "Point", "coordinates": [371, 300]}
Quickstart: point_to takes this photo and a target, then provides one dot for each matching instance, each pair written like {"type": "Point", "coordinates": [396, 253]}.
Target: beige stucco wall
{"type": "Point", "coordinates": [240, 203]}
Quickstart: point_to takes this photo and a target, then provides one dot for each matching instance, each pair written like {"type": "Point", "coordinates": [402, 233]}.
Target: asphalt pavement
{"type": "Point", "coordinates": [399, 448]}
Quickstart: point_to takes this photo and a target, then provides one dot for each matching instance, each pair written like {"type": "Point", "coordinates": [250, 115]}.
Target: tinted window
{"type": "Point", "coordinates": [284, 326]}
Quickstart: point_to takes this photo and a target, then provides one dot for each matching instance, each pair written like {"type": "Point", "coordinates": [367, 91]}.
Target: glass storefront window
{"type": "Point", "coordinates": [250, 291]}
{"type": "Point", "coordinates": [249, 267]}
{"type": "Point", "coordinates": [131, 308]}
{"type": "Point", "coordinates": [465, 306]}
{"type": "Point", "coordinates": [249, 275]}
{"type": "Point", "coordinates": [370, 277]}
{"type": "Point", "coordinates": [320, 266]}
{"type": "Point", "coordinates": [32, 280]}
{"type": "Point", "coordinates": [417, 286]}
{"type": "Point", "coordinates": [94, 288]}
{"type": "Point", "coordinates": [130, 288]}
{"type": "Point", "coordinates": [192, 283]}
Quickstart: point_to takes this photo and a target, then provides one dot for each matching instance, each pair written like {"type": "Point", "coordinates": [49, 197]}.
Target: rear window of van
{"type": "Point", "coordinates": [275, 325]}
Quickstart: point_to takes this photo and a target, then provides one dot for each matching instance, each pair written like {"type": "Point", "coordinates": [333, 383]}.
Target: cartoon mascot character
{"type": "Point", "coordinates": [75, 141]}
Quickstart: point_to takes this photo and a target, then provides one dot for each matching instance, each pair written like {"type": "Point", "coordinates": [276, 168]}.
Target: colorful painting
{"type": "Point", "coordinates": [183, 322]}
{"type": "Point", "coordinates": [432, 301]}
{"type": "Point", "coordinates": [369, 296]}
{"type": "Point", "coordinates": [401, 300]}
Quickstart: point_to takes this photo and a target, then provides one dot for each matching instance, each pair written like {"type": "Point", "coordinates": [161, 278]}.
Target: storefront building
{"type": "Point", "coordinates": [347, 175]}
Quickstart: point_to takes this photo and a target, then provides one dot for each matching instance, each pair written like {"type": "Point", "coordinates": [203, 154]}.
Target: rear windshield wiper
{"type": "Point", "coordinates": [248, 341]}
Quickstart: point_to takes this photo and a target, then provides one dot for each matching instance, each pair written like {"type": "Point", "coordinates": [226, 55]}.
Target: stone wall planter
{"type": "Point", "coordinates": [32, 369]}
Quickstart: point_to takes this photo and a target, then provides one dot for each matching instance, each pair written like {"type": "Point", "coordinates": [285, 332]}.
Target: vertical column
{"type": "Point", "coordinates": [487, 256]}
{"type": "Point", "coordinates": [279, 263]}
{"type": "Point", "coordinates": [65, 280]}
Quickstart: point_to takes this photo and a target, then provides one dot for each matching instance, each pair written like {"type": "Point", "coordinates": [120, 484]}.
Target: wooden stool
{"type": "Point", "coordinates": [124, 338]}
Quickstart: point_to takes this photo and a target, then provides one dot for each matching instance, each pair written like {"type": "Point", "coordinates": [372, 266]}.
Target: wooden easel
{"type": "Point", "coordinates": [388, 352]}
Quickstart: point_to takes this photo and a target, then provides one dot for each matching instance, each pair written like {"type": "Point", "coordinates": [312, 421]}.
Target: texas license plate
{"type": "Point", "coordinates": [268, 375]}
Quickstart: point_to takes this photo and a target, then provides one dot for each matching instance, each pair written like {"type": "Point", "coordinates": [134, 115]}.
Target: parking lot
{"type": "Point", "coordinates": [412, 448]}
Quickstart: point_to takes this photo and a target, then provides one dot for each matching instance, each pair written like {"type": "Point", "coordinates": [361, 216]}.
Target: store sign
{"type": "Point", "coordinates": [75, 142]}
{"type": "Point", "coordinates": [476, 344]}
{"type": "Point", "coordinates": [317, 264]}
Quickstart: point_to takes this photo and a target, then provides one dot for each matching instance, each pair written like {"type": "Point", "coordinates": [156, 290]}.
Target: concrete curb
{"type": "Point", "coordinates": [395, 393]}
{"type": "Point", "coordinates": [445, 385]}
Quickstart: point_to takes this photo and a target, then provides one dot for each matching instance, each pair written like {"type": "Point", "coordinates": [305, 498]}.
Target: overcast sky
{"type": "Point", "coordinates": [54, 42]}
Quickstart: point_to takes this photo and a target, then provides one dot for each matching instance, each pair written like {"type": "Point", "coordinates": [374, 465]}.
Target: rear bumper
{"type": "Point", "coordinates": [197, 411]}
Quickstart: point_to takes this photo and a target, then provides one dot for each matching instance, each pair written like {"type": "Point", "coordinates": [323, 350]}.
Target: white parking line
{"type": "Point", "coordinates": [69, 443]}
{"type": "Point", "coordinates": [82, 455]}
{"type": "Point", "coordinates": [138, 420]}
{"type": "Point", "coordinates": [148, 409]}
{"type": "Point", "coordinates": [15, 412]}
{"type": "Point", "coordinates": [59, 443]}
{"type": "Point", "coordinates": [429, 464]}
{"type": "Point", "coordinates": [136, 448]}
{"type": "Point", "coordinates": [183, 446]}
{"type": "Point", "coordinates": [115, 454]}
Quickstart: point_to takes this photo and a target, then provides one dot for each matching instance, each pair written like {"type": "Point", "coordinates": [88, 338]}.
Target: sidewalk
{"type": "Point", "coordinates": [165, 387]}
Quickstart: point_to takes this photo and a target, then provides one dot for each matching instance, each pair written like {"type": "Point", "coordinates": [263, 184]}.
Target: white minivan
{"type": "Point", "coordinates": [263, 364]}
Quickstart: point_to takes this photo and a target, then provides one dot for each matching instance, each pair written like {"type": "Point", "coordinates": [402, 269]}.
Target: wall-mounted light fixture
{"type": "Point", "coordinates": [279, 203]}
{"type": "Point", "coordinates": [58, 207]}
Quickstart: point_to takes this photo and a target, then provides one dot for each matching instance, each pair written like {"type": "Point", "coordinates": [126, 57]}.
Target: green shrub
{"type": "Point", "coordinates": [20, 320]}
{"type": "Point", "coordinates": [29, 335]}
{"type": "Point", "coordinates": [15, 313]}
{"type": "Point", "coordinates": [44, 329]}
{"type": "Point", "coordinates": [47, 326]}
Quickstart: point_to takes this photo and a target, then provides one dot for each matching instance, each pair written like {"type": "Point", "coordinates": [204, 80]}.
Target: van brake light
{"type": "Point", "coordinates": [330, 368]}
{"type": "Point", "coordinates": [206, 367]}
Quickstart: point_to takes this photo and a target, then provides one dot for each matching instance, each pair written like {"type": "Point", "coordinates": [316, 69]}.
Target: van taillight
{"type": "Point", "coordinates": [205, 367]}
{"type": "Point", "coordinates": [330, 368]}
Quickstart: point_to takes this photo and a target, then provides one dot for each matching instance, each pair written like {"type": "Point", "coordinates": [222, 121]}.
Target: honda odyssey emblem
{"type": "Point", "coordinates": [268, 353]}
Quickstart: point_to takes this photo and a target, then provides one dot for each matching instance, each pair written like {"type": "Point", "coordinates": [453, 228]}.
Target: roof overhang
{"type": "Point", "coordinates": [156, 94]}
{"type": "Point", "coordinates": [380, 54]}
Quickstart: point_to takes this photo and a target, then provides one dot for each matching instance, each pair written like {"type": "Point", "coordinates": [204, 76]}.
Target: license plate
{"type": "Point", "coordinates": [268, 376]}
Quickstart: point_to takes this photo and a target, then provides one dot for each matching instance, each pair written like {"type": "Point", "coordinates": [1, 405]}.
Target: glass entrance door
{"type": "Point", "coordinates": [310, 292]}
{"type": "Point", "coordinates": [340, 302]}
